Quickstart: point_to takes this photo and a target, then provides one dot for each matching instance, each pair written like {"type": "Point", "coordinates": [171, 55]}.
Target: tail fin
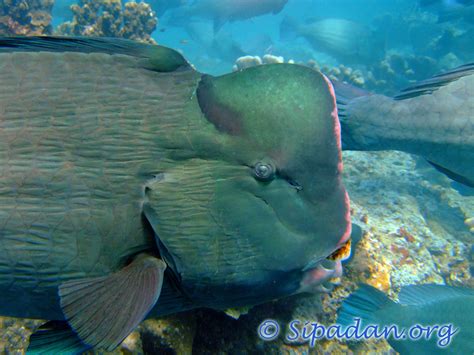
{"type": "Point", "coordinates": [362, 304]}
{"type": "Point", "coordinates": [288, 29]}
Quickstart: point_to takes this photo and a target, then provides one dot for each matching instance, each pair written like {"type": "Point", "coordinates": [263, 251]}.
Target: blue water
{"type": "Point", "coordinates": [405, 27]}
{"type": "Point", "coordinates": [361, 11]}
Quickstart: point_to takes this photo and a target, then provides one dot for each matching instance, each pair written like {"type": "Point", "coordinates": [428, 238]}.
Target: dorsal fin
{"type": "Point", "coordinates": [416, 295]}
{"type": "Point", "coordinates": [161, 59]}
{"type": "Point", "coordinates": [428, 86]}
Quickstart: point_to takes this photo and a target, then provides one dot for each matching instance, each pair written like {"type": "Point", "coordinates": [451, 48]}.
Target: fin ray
{"type": "Point", "coordinates": [415, 295]}
{"type": "Point", "coordinates": [362, 304]}
{"type": "Point", "coordinates": [118, 303]}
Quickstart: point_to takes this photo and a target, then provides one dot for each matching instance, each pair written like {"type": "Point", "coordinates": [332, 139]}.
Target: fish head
{"type": "Point", "coordinates": [262, 203]}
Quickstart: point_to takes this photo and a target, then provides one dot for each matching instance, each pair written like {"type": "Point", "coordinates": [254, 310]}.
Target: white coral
{"type": "Point", "coordinates": [247, 62]}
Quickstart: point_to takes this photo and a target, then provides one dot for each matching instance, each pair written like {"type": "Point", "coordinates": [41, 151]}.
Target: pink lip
{"type": "Point", "coordinates": [313, 279]}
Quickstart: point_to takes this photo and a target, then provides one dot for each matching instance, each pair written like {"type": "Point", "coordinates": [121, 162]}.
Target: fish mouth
{"type": "Point", "coordinates": [342, 253]}
{"type": "Point", "coordinates": [321, 277]}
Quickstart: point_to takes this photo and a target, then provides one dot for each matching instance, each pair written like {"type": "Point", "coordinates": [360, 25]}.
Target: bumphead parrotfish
{"type": "Point", "coordinates": [433, 119]}
{"type": "Point", "coordinates": [223, 11]}
{"type": "Point", "coordinates": [436, 319]}
{"type": "Point", "coordinates": [132, 185]}
{"type": "Point", "coordinates": [346, 40]}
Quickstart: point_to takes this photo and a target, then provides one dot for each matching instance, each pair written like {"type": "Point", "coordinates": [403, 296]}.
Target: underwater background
{"type": "Point", "coordinates": [416, 223]}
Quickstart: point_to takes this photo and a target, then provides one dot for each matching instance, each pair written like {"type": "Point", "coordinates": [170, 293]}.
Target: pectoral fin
{"type": "Point", "coordinates": [104, 310]}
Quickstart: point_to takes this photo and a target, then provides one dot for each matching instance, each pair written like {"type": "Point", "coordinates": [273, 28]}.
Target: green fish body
{"type": "Point", "coordinates": [132, 185]}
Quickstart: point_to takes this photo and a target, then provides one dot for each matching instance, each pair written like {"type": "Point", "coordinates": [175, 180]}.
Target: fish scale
{"type": "Point", "coordinates": [84, 188]}
{"type": "Point", "coordinates": [129, 186]}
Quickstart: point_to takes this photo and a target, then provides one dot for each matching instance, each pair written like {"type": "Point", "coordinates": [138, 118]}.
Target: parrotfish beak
{"type": "Point", "coordinates": [318, 274]}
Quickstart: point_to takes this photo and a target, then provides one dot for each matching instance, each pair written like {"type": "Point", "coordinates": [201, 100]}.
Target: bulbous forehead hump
{"type": "Point", "coordinates": [284, 109]}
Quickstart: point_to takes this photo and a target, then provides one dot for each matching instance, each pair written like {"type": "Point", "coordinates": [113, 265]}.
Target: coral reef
{"type": "Point", "coordinates": [341, 73]}
{"type": "Point", "coordinates": [175, 332]}
{"type": "Point", "coordinates": [271, 59]}
{"type": "Point", "coordinates": [397, 71]}
{"type": "Point", "coordinates": [250, 61]}
{"type": "Point", "coordinates": [25, 17]}
{"type": "Point", "coordinates": [394, 72]}
{"type": "Point", "coordinates": [387, 76]}
{"type": "Point", "coordinates": [247, 62]}
{"type": "Point", "coordinates": [111, 18]}
{"type": "Point", "coordinates": [14, 334]}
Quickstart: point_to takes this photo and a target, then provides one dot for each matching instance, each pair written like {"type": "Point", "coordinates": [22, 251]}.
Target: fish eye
{"type": "Point", "coordinates": [264, 171]}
